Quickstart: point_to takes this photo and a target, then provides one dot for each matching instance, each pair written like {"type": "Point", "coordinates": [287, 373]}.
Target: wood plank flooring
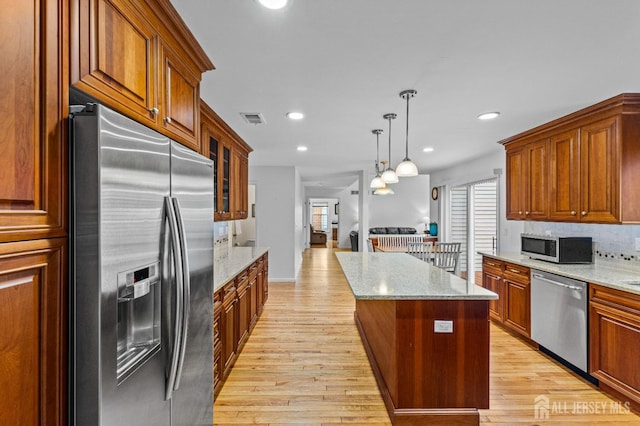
{"type": "Point", "coordinates": [304, 364]}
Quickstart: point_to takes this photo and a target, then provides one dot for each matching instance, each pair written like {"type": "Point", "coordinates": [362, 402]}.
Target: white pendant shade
{"type": "Point", "coordinates": [377, 182]}
{"type": "Point", "coordinates": [389, 176]}
{"type": "Point", "coordinates": [406, 169]}
{"type": "Point", "coordinates": [383, 191]}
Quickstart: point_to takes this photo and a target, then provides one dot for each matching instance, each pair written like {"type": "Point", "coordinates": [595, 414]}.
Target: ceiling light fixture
{"type": "Point", "coordinates": [427, 149]}
{"type": "Point", "coordinates": [377, 182]}
{"type": "Point", "coordinates": [407, 167]}
{"type": "Point", "coordinates": [386, 190]}
{"type": "Point", "coordinates": [295, 115]}
{"type": "Point", "coordinates": [302, 148]}
{"type": "Point", "coordinates": [389, 175]}
{"type": "Point", "coordinates": [488, 115]}
{"type": "Point", "coordinates": [273, 4]}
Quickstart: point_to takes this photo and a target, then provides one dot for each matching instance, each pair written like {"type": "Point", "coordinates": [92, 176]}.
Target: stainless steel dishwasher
{"type": "Point", "coordinates": [559, 316]}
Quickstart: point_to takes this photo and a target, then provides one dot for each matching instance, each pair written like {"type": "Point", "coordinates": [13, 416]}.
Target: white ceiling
{"type": "Point", "coordinates": [344, 62]}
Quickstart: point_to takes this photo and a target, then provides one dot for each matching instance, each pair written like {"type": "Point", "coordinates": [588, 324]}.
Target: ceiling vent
{"type": "Point", "coordinates": [253, 118]}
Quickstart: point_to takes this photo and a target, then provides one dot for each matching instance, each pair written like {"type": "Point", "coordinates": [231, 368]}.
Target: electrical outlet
{"type": "Point", "coordinates": [637, 244]}
{"type": "Point", "coordinates": [442, 326]}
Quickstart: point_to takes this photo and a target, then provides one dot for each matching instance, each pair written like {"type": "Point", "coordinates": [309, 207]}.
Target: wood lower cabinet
{"type": "Point", "coordinates": [517, 311]}
{"type": "Point", "coordinates": [593, 158]}
{"type": "Point", "coordinates": [33, 364]}
{"type": "Point", "coordinates": [217, 340]}
{"type": "Point", "coordinates": [139, 58]}
{"type": "Point", "coordinates": [614, 340]}
{"type": "Point", "coordinates": [237, 306]}
{"type": "Point", "coordinates": [244, 308]}
{"type": "Point", "coordinates": [230, 155]}
{"type": "Point", "coordinates": [229, 326]}
{"type": "Point", "coordinates": [33, 145]}
{"type": "Point", "coordinates": [492, 280]}
{"type": "Point", "coordinates": [512, 283]}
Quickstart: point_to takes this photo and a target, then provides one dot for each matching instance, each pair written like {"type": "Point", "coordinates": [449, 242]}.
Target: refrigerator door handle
{"type": "Point", "coordinates": [186, 283]}
{"type": "Point", "coordinates": [178, 325]}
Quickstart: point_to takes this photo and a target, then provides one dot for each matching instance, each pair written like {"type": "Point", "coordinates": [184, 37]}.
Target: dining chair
{"type": "Point", "coordinates": [421, 250]}
{"type": "Point", "coordinates": [369, 245]}
{"type": "Point", "coordinates": [446, 255]}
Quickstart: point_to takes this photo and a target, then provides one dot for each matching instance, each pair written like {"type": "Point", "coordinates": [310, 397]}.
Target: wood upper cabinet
{"type": "Point", "coordinates": [139, 58]}
{"type": "Point", "coordinates": [614, 340]}
{"type": "Point", "coordinates": [239, 184]}
{"type": "Point", "coordinates": [114, 60]}
{"type": "Point", "coordinates": [180, 98]}
{"type": "Point", "coordinates": [33, 153]}
{"type": "Point", "coordinates": [594, 158]}
{"type": "Point", "coordinates": [528, 181]}
{"type": "Point", "coordinates": [33, 338]}
{"type": "Point", "coordinates": [230, 155]}
{"type": "Point", "coordinates": [565, 176]}
{"type": "Point", "coordinates": [600, 171]}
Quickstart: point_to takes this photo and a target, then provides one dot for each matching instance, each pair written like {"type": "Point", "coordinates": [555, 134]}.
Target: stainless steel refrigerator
{"type": "Point", "coordinates": [142, 276]}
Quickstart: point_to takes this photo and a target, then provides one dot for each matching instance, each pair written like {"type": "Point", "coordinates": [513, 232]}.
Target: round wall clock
{"type": "Point", "coordinates": [434, 193]}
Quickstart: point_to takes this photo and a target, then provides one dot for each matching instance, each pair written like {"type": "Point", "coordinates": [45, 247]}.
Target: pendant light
{"type": "Point", "coordinates": [385, 190]}
{"type": "Point", "coordinates": [389, 175]}
{"type": "Point", "coordinates": [377, 182]}
{"type": "Point", "coordinates": [407, 167]}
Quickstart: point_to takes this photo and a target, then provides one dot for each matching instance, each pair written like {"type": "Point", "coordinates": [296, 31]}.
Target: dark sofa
{"type": "Point", "coordinates": [394, 230]}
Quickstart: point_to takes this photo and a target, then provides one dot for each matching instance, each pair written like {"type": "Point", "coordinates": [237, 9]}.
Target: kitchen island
{"type": "Point", "coordinates": [426, 334]}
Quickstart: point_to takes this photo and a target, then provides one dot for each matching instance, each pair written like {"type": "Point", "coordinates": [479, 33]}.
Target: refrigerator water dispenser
{"type": "Point", "coordinates": [138, 318]}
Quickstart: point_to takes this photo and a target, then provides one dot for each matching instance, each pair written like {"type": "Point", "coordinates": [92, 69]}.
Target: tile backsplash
{"type": "Point", "coordinates": [611, 243]}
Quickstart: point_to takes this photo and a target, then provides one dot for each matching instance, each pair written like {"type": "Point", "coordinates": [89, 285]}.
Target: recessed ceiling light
{"type": "Point", "coordinates": [295, 115]}
{"type": "Point", "coordinates": [427, 149]}
{"type": "Point", "coordinates": [273, 4]}
{"type": "Point", "coordinates": [302, 148]}
{"type": "Point", "coordinates": [488, 115]}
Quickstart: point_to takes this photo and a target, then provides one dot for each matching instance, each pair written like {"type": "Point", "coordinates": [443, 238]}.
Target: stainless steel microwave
{"type": "Point", "coordinates": [557, 249]}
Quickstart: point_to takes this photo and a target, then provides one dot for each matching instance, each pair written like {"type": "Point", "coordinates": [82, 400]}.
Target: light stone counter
{"type": "Point", "coordinates": [607, 274]}
{"type": "Point", "coordinates": [393, 276]}
{"type": "Point", "coordinates": [229, 262]}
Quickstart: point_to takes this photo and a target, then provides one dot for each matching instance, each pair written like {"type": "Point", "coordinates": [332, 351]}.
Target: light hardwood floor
{"type": "Point", "coordinates": [304, 364]}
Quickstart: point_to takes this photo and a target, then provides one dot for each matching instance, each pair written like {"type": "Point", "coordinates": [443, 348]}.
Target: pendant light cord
{"type": "Point", "coordinates": [389, 167]}
{"type": "Point", "coordinates": [406, 153]}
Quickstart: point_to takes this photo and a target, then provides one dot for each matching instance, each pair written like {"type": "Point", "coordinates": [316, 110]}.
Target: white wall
{"type": "Point", "coordinates": [409, 206]}
{"type": "Point", "coordinates": [299, 223]}
{"type": "Point", "coordinates": [478, 169]}
{"type": "Point", "coordinates": [276, 222]}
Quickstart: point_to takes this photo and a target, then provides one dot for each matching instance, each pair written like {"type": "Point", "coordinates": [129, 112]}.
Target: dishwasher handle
{"type": "Point", "coordinates": [547, 280]}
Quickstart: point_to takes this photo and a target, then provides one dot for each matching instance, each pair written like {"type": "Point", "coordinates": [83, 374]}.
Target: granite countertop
{"type": "Point", "coordinates": [393, 276]}
{"type": "Point", "coordinates": [607, 274]}
{"type": "Point", "coordinates": [230, 261]}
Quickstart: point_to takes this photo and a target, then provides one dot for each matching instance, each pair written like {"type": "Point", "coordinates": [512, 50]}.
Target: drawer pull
{"type": "Point", "coordinates": [515, 271]}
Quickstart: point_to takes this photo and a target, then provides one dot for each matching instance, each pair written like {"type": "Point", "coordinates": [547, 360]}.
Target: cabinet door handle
{"type": "Point", "coordinates": [520, 212]}
{"type": "Point", "coordinates": [167, 120]}
{"type": "Point", "coordinates": [584, 213]}
{"type": "Point", "coordinates": [498, 278]}
{"type": "Point", "coordinates": [573, 212]}
{"type": "Point", "coordinates": [155, 111]}
{"type": "Point", "coordinates": [526, 212]}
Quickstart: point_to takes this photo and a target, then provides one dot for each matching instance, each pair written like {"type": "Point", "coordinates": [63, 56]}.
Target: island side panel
{"type": "Point", "coordinates": [443, 370]}
{"type": "Point", "coordinates": [377, 320]}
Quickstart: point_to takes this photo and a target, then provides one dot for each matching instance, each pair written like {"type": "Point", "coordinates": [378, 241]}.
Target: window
{"type": "Point", "coordinates": [319, 218]}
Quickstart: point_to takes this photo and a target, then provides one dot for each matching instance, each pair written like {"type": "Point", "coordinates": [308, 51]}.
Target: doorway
{"type": "Point", "coordinates": [244, 231]}
{"type": "Point", "coordinates": [474, 224]}
{"type": "Point", "coordinates": [324, 214]}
